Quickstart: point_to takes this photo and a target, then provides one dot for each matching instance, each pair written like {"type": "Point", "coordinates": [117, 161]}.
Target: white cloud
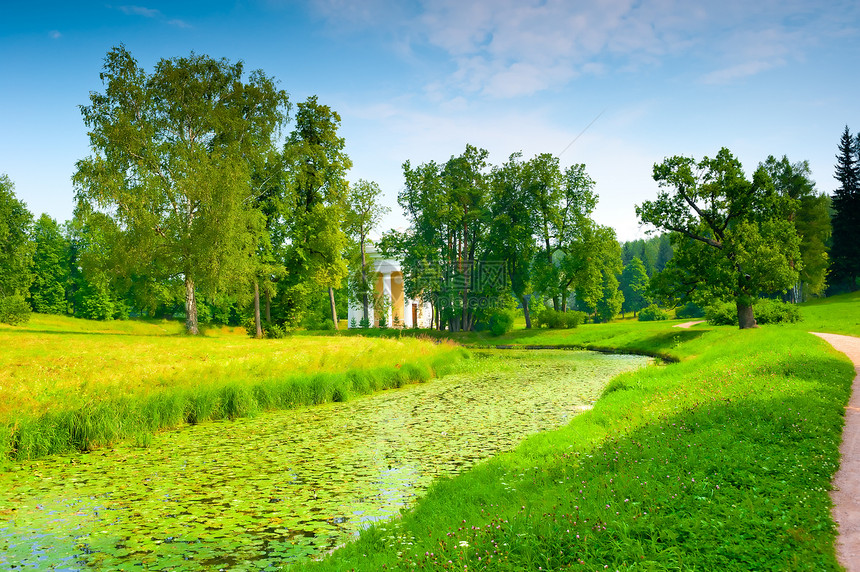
{"type": "Point", "coordinates": [512, 48]}
{"type": "Point", "coordinates": [55, 34]}
{"type": "Point", "coordinates": [140, 11]}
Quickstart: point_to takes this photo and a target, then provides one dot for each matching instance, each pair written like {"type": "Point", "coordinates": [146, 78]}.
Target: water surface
{"type": "Point", "coordinates": [257, 493]}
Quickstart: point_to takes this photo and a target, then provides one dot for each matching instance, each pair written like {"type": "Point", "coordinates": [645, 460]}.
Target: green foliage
{"type": "Point", "coordinates": [317, 163]}
{"type": "Point", "coordinates": [14, 310]}
{"type": "Point", "coordinates": [634, 286]}
{"type": "Point", "coordinates": [653, 313]}
{"type": "Point", "coordinates": [768, 311]}
{"type": "Point", "coordinates": [846, 213]}
{"type": "Point", "coordinates": [722, 314]}
{"type": "Point", "coordinates": [16, 247]}
{"type": "Point", "coordinates": [501, 322]}
{"type": "Point", "coordinates": [689, 310]}
{"type": "Point", "coordinates": [554, 319]}
{"type": "Point", "coordinates": [654, 253]}
{"type": "Point", "coordinates": [51, 268]}
{"type": "Point", "coordinates": [734, 238]}
{"type": "Point", "coordinates": [174, 155]}
{"type": "Point", "coordinates": [811, 220]}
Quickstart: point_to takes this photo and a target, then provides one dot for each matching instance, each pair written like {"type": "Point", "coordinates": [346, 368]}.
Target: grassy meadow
{"type": "Point", "coordinates": [67, 383]}
{"type": "Point", "coordinates": [721, 461]}
{"type": "Point", "coordinates": [720, 458]}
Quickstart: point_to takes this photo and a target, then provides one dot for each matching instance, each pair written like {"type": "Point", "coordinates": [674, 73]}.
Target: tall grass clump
{"type": "Point", "coordinates": [230, 394]}
{"type": "Point", "coordinates": [720, 462]}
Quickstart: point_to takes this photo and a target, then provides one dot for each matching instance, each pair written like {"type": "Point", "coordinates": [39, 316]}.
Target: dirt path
{"type": "Point", "coordinates": [846, 483]}
{"type": "Point", "coordinates": [686, 325]}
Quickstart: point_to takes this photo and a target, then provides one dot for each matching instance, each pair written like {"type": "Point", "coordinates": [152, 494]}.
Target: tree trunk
{"type": "Point", "coordinates": [268, 307]}
{"type": "Point", "coordinates": [257, 325]}
{"type": "Point", "coordinates": [746, 318]}
{"type": "Point", "coordinates": [526, 313]}
{"type": "Point", "coordinates": [333, 307]}
{"type": "Point", "coordinates": [364, 300]}
{"type": "Point", "coordinates": [190, 307]}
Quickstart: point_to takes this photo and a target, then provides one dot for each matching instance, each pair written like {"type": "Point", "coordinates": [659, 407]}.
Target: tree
{"type": "Point", "coordinates": [448, 213]}
{"type": "Point", "coordinates": [317, 165]}
{"type": "Point", "coordinates": [363, 214]}
{"type": "Point", "coordinates": [51, 267]}
{"type": "Point", "coordinates": [173, 164]}
{"type": "Point", "coordinates": [593, 266]}
{"type": "Point", "coordinates": [737, 241]}
{"type": "Point", "coordinates": [511, 235]}
{"type": "Point", "coordinates": [811, 220]}
{"type": "Point", "coordinates": [634, 286]}
{"type": "Point", "coordinates": [563, 203]}
{"type": "Point", "coordinates": [16, 254]}
{"type": "Point", "coordinates": [845, 253]}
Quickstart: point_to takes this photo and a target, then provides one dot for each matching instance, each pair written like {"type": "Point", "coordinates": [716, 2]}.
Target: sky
{"type": "Point", "coordinates": [618, 85]}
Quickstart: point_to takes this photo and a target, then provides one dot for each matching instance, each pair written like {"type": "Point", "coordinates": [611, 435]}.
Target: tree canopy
{"type": "Point", "coordinates": [174, 154]}
{"type": "Point", "coordinates": [734, 237]}
{"type": "Point", "coordinates": [846, 212]}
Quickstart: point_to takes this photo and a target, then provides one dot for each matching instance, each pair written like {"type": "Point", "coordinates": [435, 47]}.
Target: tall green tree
{"type": "Point", "coordinates": [737, 239]}
{"type": "Point", "coordinates": [16, 254]}
{"type": "Point", "coordinates": [563, 202]}
{"type": "Point", "coordinates": [51, 267]}
{"type": "Point", "coordinates": [634, 286]}
{"type": "Point", "coordinates": [447, 207]}
{"type": "Point", "coordinates": [173, 165]}
{"type": "Point", "coordinates": [593, 266]}
{"type": "Point", "coordinates": [811, 220]}
{"type": "Point", "coordinates": [275, 199]}
{"type": "Point", "coordinates": [511, 238]}
{"type": "Point", "coordinates": [364, 213]}
{"type": "Point", "coordinates": [845, 252]}
{"type": "Point", "coordinates": [318, 165]}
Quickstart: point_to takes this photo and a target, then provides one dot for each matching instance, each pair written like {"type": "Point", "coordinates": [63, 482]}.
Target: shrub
{"type": "Point", "coordinates": [766, 311]}
{"type": "Point", "coordinates": [653, 313]}
{"type": "Point", "coordinates": [769, 311]}
{"type": "Point", "coordinates": [501, 323]}
{"type": "Point", "coordinates": [14, 310]}
{"type": "Point", "coordinates": [689, 310]}
{"type": "Point", "coordinates": [722, 314]}
{"type": "Point", "coordinates": [573, 319]}
{"type": "Point", "coordinates": [556, 320]}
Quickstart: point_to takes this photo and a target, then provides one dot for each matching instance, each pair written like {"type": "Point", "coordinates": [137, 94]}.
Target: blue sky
{"type": "Point", "coordinates": [419, 80]}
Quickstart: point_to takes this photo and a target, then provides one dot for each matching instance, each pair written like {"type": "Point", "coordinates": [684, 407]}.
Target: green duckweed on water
{"type": "Point", "coordinates": [258, 493]}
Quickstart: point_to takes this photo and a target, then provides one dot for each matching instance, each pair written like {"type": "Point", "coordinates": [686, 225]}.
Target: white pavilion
{"type": "Point", "coordinates": [404, 312]}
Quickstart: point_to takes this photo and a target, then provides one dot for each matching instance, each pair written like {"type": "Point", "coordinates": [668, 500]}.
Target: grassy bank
{"type": "Point", "coordinates": [65, 384]}
{"type": "Point", "coordinates": [720, 462]}
{"type": "Point", "coordinates": [835, 315]}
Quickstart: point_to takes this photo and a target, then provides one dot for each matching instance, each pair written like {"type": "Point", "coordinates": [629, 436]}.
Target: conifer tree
{"type": "Point", "coordinates": [845, 252]}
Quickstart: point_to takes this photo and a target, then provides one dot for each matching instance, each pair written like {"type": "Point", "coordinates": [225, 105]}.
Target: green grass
{"type": "Point", "coordinates": [69, 384]}
{"type": "Point", "coordinates": [722, 461]}
{"type": "Point", "coordinates": [835, 315]}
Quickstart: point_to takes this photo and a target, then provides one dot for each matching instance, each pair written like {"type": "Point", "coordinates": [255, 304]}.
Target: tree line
{"type": "Point", "coordinates": [197, 203]}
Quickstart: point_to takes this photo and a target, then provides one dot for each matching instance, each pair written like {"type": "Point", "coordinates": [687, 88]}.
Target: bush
{"type": "Point", "coordinates": [769, 311]}
{"type": "Point", "coordinates": [558, 320]}
{"type": "Point", "coordinates": [501, 323]}
{"type": "Point", "coordinates": [689, 310]}
{"type": "Point", "coordinates": [722, 314]}
{"type": "Point", "coordinates": [653, 313]}
{"type": "Point", "coordinates": [14, 310]}
{"type": "Point", "coordinates": [766, 311]}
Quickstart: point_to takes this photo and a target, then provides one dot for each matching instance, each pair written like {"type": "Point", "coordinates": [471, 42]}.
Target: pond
{"type": "Point", "coordinates": [258, 493]}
